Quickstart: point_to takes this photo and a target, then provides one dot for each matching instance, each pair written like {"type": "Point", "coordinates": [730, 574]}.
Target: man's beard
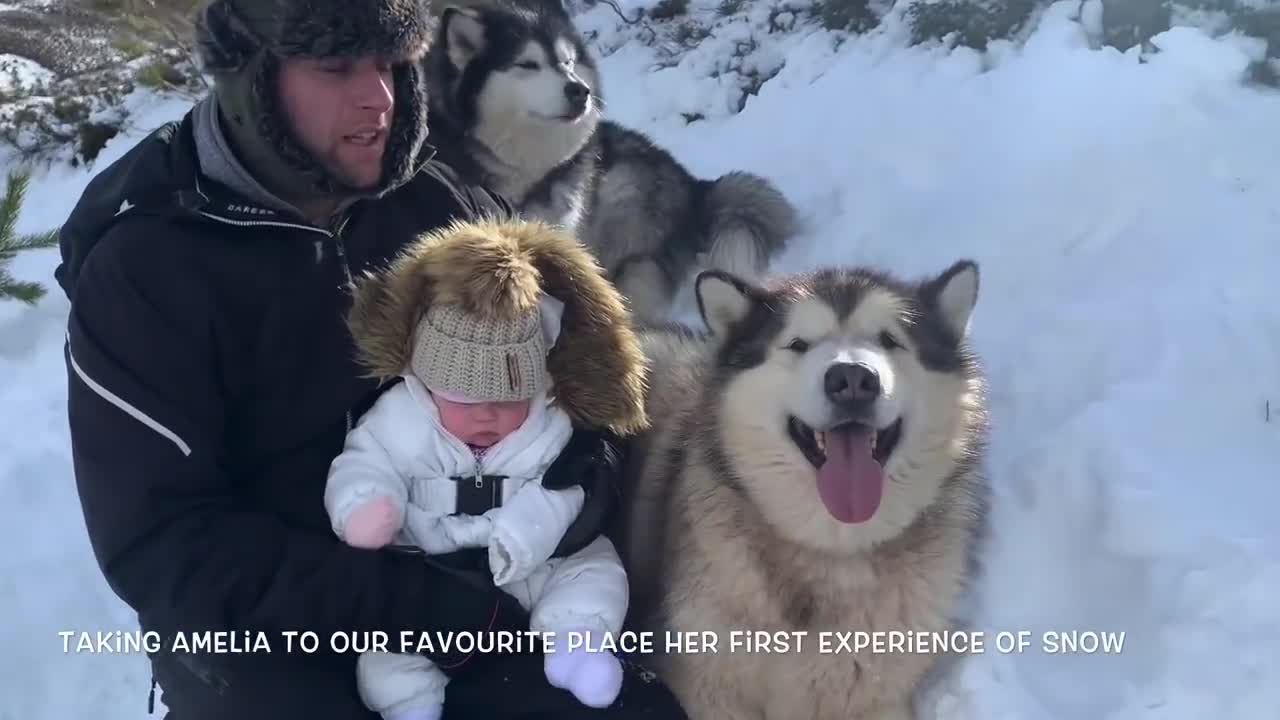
{"type": "Point", "coordinates": [345, 183]}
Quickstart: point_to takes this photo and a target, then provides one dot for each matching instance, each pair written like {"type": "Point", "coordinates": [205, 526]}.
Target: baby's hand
{"type": "Point", "coordinates": [373, 524]}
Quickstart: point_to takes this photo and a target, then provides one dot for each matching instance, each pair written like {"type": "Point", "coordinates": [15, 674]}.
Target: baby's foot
{"type": "Point", "coordinates": [373, 524]}
{"type": "Point", "coordinates": [592, 676]}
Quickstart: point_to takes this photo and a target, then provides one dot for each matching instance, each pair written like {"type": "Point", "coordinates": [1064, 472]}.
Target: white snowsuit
{"type": "Point", "coordinates": [400, 450]}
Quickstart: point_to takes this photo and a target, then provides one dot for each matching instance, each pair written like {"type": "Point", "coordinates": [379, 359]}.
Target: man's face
{"type": "Point", "coordinates": [340, 110]}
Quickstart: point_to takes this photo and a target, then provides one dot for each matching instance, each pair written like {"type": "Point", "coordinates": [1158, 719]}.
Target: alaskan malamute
{"type": "Point", "coordinates": [813, 467]}
{"type": "Point", "coordinates": [516, 105]}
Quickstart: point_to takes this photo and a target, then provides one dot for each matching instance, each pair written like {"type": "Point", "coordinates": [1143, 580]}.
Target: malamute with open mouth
{"type": "Point", "coordinates": [516, 105]}
{"type": "Point", "coordinates": [813, 467]}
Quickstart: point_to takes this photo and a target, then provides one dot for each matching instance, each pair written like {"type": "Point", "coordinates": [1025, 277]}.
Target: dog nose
{"type": "Point", "coordinates": [850, 383]}
{"type": "Point", "coordinates": [576, 92]}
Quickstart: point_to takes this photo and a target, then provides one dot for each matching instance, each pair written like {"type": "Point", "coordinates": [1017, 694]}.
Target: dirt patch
{"type": "Point", "coordinates": [91, 55]}
{"type": "Point", "coordinates": [63, 37]}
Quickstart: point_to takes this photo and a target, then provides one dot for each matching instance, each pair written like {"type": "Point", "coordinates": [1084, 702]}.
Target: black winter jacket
{"type": "Point", "coordinates": [211, 383]}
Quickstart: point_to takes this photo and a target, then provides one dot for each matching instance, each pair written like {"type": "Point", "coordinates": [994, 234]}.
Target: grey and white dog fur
{"type": "Point", "coordinates": [517, 105]}
{"type": "Point", "coordinates": [814, 465]}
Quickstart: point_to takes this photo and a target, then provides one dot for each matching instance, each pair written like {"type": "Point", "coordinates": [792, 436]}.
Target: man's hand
{"type": "Point", "coordinates": [587, 454]}
{"type": "Point", "coordinates": [592, 460]}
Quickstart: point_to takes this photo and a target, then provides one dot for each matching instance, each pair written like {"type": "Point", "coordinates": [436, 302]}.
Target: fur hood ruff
{"type": "Point", "coordinates": [597, 367]}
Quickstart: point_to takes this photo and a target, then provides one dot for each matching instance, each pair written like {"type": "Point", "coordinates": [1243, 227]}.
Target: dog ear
{"type": "Point", "coordinates": [953, 295]}
{"type": "Point", "coordinates": [723, 300]}
{"type": "Point", "coordinates": [463, 34]}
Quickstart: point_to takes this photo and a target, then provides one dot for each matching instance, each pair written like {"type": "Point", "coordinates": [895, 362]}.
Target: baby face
{"type": "Point", "coordinates": [481, 424]}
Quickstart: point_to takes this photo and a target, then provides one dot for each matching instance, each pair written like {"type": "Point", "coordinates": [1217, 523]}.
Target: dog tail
{"type": "Point", "coordinates": [749, 221]}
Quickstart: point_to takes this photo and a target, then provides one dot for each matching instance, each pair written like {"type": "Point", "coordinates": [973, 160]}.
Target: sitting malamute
{"type": "Point", "coordinates": [813, 467]}
{"type": "Point", "coordinates": [516, 105]}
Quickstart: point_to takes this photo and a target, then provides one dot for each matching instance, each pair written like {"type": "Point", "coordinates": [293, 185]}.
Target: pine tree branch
{"type": "Point", "coordinates": [11, 204]}
{"type": "Point", "coordinates": [11, 243]}
{"type": "Point", "coordinates": [33, 241]}
{"type": "Point", "coordinates": [20, 290]}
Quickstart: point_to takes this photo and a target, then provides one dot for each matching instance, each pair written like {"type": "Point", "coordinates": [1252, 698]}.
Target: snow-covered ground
{"type": "Point", "coordinates": [19, 72]}
{"type": "Point", "coordinates": [1125, 211]}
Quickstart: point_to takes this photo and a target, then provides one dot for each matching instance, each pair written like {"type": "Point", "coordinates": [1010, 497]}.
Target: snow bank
{"type": "Point", "coordinates": [49, 581]}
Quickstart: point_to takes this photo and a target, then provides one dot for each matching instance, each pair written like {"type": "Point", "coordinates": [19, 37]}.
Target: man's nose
{"type": "Point", "coordinates": [374, 89]}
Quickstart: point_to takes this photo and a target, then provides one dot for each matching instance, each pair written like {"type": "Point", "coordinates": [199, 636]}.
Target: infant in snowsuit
{"type": "Point", "coordinates": [452, 458]}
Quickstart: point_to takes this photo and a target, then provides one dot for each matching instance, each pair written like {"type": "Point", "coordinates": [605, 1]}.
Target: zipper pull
{"type": "Point", "coordinates": [479, 477]}
{"type": "Point", "coordinates": [341, 248]}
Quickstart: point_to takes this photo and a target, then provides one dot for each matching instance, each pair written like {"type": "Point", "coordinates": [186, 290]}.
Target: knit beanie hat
{"type": "Point", "coordinates": [471, 357]}
{"type": "Point", "coordinates": [241, 43]}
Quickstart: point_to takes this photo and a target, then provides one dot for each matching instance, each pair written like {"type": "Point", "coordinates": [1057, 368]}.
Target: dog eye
{"type": "Point", "coordinates": [527, 65]}
{"type": "Point", "coordinates": [889, 342]}
{"type": "Point", "coordinates": [797, 345]}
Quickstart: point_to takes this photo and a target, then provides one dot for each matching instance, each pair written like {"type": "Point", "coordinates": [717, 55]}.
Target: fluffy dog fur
{"type": "Point", "coordinates": [500, 266]}
{"type": "Point", "coordinates": [725, 528]}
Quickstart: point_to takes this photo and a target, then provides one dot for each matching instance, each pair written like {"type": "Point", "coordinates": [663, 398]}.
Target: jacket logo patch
{"type": "Point", "coordinates": [249, 210]}
{"type": "Point", "coordinates": [513, 372]}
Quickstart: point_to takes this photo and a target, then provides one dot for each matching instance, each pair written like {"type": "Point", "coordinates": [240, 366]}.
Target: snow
{"type": "Point", "coordinates": [17, 72]}
{"type": "Point", "coordinates": [1123, 211]}
{"type": "Point", "coordinates": [25, 5]}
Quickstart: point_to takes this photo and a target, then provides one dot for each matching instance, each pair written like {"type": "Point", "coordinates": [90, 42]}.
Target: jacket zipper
{"type": "Point", "coordinates": [336, 237]}
{"type": "Point", "coordinates": [265, 223]}
{"type": "Point", "coordinates": [340, 248]}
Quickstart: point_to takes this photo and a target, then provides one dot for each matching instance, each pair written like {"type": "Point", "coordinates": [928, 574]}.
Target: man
{"type": "Point", "coordinates": [211, 379]}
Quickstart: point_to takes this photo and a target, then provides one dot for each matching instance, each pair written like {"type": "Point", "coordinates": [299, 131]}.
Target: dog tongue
{"type": "Point", "coordinates": [850, 481]}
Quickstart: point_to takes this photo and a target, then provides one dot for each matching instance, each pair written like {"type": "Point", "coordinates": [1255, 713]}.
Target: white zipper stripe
{"type": "Point", "coordinates": [271, 223]}
{"type": "Point", "coordinates": [119, 402]}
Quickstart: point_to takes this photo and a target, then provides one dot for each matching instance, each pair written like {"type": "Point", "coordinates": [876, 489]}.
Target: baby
{"type": "Point", "coordinates": [452, 458]}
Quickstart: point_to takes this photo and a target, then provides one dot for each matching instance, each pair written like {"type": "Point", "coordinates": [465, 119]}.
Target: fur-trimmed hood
{"type": "Point", "coordinates": [498, 266]}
